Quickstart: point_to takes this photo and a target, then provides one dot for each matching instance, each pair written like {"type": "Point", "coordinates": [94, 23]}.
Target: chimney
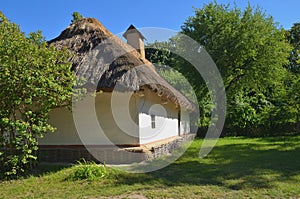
{"type": "Point", "coordinates": [135, 39]}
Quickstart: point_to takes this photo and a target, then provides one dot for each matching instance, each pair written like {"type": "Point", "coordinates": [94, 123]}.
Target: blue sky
{"type": "Point", "coordinates": [51, 17]}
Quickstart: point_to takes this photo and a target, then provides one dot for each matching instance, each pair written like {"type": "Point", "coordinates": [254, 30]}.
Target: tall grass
{"type": "Point", "coordinates": [88, 170]}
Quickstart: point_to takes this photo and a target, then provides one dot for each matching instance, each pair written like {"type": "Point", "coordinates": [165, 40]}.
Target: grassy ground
{"type": "Point", "coordinates": [236, 168]}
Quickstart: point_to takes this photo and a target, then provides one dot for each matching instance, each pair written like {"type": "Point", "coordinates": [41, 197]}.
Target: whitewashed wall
{"type": "Point", "coordinates": [166, 122]}
{"type": "Point", "coordinates": [133, 125]}
{"type": "Point", "coordinates": [62, 119]}
{"type": "Point", "coordinates": [91, 134]}
{"type": "Point", "coordinates": [184, 122]}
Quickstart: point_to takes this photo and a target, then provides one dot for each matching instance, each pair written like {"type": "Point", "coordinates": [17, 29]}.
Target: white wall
{"type": "Point", "coordinates": [166, 122]}
{"type": "Point", "coordinates": [62, 119]}
{"type": "Point", "coordinates": [95, 123]}
{"type": "Point", "coordinates": [184, 122]}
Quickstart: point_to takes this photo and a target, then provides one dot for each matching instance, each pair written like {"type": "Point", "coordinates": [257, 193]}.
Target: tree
{"type": "Point", "coordinates": [34, 79]}
{"type": "Point", "coordinates": [248, 47]}
{"type": "Point", "coordinates": [186, 79]}
{"type": "Point", "coordinates": [293, 82]}
{"type": "Point", "coordinates": [250, 51]}
{"type": "Point", "coordinates": [76, 16]}
{"type": "Point", "coordinates": [177, 80]}
{"type": "Point", "coordinates": [293, 37]}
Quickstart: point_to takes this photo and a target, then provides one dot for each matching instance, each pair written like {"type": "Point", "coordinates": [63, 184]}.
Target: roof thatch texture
{"type": "Point", "coordinates": [107, 63]}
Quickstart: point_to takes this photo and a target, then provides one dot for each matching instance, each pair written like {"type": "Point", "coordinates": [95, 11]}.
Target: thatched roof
{"type": "Point", "coordinates": [105, 61]}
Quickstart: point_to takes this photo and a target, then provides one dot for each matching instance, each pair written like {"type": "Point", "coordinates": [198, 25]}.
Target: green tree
{"type": "Point", "coordinates": [34, 79]}
{"type": "Point", "coordinates": [248, 47]}
{"type": "Point", "coordinates": [183, 77]}
{"type": "Point", "coordinates": [293, 82]}
{"type": "Point", "coordinates": [76, 16]}
{"type": "Point", "coordinates": [248, 112]}
{"type": "Point", "coordinates": [293, 37]}
{"type": "Point", "coordinates": [250, 51]}
{"type": "Point", "coordinates": [178, 81]}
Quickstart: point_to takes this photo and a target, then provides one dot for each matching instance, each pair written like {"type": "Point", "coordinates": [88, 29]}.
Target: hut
{"type": "Point", "coordinates": [136, 109]}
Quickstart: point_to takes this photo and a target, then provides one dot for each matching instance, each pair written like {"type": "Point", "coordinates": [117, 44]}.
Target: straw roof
{"type": "Point", "coordinates": [107, 63]}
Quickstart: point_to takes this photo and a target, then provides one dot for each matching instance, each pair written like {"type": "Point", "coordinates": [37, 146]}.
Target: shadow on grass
{"type": "Point", "coordinates": [233, 165]}
{"type": "Point", "coordinates": [39, 170]}
{"type": "Point", "coordinates": [48, 168]}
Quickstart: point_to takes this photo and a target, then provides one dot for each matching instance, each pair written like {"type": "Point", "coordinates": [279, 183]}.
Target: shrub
{"type": "Point", "coordinates": [88, 171]}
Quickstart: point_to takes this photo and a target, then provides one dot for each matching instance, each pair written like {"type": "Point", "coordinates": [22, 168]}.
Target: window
{"type": "Point", "coordinates": [153, 121]}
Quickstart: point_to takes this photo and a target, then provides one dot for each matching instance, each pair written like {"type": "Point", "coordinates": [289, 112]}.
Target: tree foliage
{"type": "Point", "coordinates": [293, 37]}
{"type": "Point", "coordinates": [248, 47]}
{"type": "Point", "coordinates": [250, 51]}
{"type": "Point", "coordinates": [293, 81]}
{"type": "Point", "coordinates": [76, 16]}
{"type": "Point", "coordinates": [178, 81]}
{"type": "Point", "coordinates": [34, 79]}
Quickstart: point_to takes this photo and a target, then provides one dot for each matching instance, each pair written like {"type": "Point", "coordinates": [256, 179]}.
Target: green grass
{"type": "Point", "coordinates": [236, 168]}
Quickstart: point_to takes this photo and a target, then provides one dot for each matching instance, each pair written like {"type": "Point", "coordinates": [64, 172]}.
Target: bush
{"type": "Point", "coordinates": [34, 79]}
{"type": "Point", "coordinates": [88, 171]}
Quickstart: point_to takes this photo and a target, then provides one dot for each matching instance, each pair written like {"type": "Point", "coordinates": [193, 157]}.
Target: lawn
{"type": "Point", "coordinates": [236, 168]}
